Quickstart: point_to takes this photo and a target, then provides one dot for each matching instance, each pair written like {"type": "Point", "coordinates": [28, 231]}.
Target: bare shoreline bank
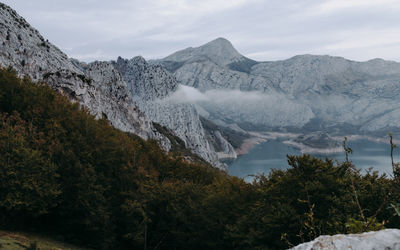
{"type": "Point", "coordinates": [259, 137]}
{"type": "Point", "coordinates": [248, 144]}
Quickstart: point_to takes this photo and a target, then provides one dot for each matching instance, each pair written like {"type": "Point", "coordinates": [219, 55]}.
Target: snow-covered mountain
{"type": "Point", "coordinates": [128, 93]}
{"type": "Point", "coordinates": [304, 92]}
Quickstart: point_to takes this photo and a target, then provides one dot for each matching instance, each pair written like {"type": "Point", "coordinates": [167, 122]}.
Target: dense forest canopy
{"type": "Point", "coordinates": [66, 174]}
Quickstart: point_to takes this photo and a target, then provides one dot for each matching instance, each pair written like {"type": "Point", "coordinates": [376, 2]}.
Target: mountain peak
{"type": "Point", "coordinates": [220, 51]}
{"type": "Point", "coordinates": [220, 41]}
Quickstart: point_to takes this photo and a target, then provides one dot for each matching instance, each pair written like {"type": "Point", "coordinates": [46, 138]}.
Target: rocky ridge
{"type": "Point", "coordinates": [129, 93]}
{"type": "Point", "coordinates": [97, 86]}
{"type": "Point", "coordinates": [303, 92]}
{"type": "Point", "coordinates": [151, 86]}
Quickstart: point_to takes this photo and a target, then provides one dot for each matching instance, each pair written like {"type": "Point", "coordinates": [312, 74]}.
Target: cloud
{"type": "Point", "coordinates": [338, 5]}
{"type": "Point", "coordinates": [220, 96]}
{"type": "Point", "coordinates": [272, 109]}
{"type": "Point", "coordinates": [260, 29]}
{"type": "Point", "coordinates": [186, 94]}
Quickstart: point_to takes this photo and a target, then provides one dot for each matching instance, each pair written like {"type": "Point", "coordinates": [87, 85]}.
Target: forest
{"type": "Point", "coordinates": [65, 174]}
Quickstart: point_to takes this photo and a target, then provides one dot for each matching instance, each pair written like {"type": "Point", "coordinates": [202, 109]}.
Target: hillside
{"type": "Point", "coordinates": [305, 93]}
{"type": "Point", "coordinates": [151, 86]}
{"type": "Point", "coordinates": [97, 86]}
{"type": "Point", "coordinates": [21, 241]}
{"type": "Point", "coordinates": [66, 174]}
{"type": "Point", "coordinates": [125, 92]}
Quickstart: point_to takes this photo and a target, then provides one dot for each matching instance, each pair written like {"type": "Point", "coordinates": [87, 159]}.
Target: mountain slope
{"type": "Point", "coordinates": [22, 241]}
{"type": "Point", "coordinates": [97, 86]}
{"type": "Point", "coordinates": [220, 51]}
{"type": "Point", "coordinates": [127, 93]}
{"type": "Point", "coordinates": [151, 85]}
{"type": "Point", "coordinates": [70, 176]}
{"type": "Point", "coordinates": [336, 93]}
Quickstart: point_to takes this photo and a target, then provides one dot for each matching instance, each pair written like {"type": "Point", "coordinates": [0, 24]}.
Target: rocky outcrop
{"type": "Point", "coordinates": [131, 94]}
{"type": "Point", "coordinates": [97, 86]}
{"type": "Point", "coordinates": [146, 82]}
{"type": "Point", "coordinates": [385, 239]}
{"type": "Point", "coordinates": [226, 150]}
{"type": "Point", "coordinates": [152, 87]}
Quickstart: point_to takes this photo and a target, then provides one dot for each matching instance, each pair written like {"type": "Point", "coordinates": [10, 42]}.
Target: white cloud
{"type": "Point", "coordinates": [338, 5]}
{"type": "Point", "coordinates": [186, 94]}
{"type": "Point", "coordinates": [250, 106]}
{"type": "Point", "coordinates": [366, 39]}
{"type": "Point", "coordinates": [262, 29]}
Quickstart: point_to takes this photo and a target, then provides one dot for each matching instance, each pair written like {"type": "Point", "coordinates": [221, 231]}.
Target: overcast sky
{"type": "Point", "coordinates": [260, 29]}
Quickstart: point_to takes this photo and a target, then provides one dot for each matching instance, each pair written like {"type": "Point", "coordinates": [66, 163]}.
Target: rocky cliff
{"type": "Point", "coordinates": [153, 87]}
{"type": "Point", "coordinates": [97, 86]}
{"type": "Point", "coordinates": [131, 94]}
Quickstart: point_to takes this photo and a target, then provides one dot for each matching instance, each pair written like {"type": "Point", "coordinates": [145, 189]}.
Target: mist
{"type": "Point", "coordinates": [187, 94]}
{"type": "Point", "coordinates": [271, 109]}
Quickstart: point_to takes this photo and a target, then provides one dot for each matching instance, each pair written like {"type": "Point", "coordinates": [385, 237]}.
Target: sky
{"type": "Point", "coordinates": [262, 30]}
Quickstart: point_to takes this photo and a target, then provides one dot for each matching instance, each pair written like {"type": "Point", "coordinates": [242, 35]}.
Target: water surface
{"type": "Point", "coordinates": [272, 155]}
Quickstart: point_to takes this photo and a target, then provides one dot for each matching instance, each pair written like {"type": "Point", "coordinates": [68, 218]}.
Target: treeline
{"type": "Point", "coordinates": [66, 174]}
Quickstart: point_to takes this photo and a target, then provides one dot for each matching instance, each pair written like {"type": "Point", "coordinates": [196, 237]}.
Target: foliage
{"type": "Point", "coordinates": [357, 226]}
{"type": "Point", "coordinates": [67, 174]}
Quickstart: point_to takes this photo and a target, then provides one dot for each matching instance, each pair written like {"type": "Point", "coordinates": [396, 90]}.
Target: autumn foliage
{"type": "Point", "coordinates": [66, 174]}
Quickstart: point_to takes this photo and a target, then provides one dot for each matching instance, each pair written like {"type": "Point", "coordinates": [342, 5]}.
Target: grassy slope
{"type": "Point", "coordinates": [17, 240]}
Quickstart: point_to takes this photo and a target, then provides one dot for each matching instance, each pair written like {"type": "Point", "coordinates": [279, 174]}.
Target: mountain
{"type": "Point", "coordinates": [303, 93]}
{"type": "Point", "coordinates": [214, 57]}
{"type": "Point", "coordinates": [220, 51]}
{"type": "Point", "coordinates": [150, 86]}
{"type": "Point", "coordinates": [97, 86]}
{"type": "Point", "coordinates": [126, 92]}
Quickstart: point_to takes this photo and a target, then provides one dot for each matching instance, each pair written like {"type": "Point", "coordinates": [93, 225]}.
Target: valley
{"type": "Point", "coordinates": [271, 154]}
{"type": "Point", "coordinates": [318, 97]}
{"type": "Point", "coordinates": [317, 100]}
{"type": "Point", "coordinates": [205, 148]}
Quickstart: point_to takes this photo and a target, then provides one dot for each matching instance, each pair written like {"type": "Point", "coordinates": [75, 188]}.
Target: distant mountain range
{"type": "Point", "coordinates": [303, 93]}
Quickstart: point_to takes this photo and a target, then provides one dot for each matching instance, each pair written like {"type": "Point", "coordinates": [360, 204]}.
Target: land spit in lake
{"type": "Point", "coordinates": [267, 151]}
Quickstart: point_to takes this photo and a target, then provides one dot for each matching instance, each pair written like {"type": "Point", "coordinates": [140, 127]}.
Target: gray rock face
{"type": "Point", "coordinates": [220, 51]}
{"type": "Point", "coordinates": [292, 93]}
{"type": "Point", "coordinates": [152, 86]}
{"type": "Point", "coordinates": [146, 82]}
{"type": "Point", "coordinates": [385, 239]}
{"type": "Point", "coordinates": [97, 86]}
{"type": "Point", "coordinates": [227, 150]}
{"type": "Point", "coordinates": [215, 65]}
{"type": "Point", "coordinates": [131, 94]}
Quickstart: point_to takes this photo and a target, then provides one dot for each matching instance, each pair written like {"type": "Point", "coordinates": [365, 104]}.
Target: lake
{"type": "Point", "coordinates": [272, 155]}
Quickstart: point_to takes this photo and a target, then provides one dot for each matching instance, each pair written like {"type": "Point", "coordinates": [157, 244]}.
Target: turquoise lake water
{"type": "Point", "coordinates": [272, 155]}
